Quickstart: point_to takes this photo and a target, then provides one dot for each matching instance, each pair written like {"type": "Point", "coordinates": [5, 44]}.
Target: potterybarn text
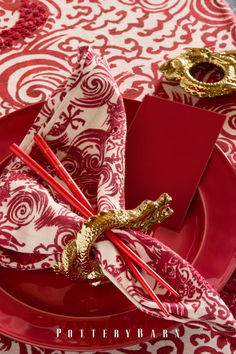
{"type": "Point", "coordinates": [116, 333]}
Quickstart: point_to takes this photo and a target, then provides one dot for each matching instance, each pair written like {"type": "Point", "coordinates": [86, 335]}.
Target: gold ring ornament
{"type": "Point", "coordinates": [77, 262]}
{"type": "Point", "coordinates": [179, 70]}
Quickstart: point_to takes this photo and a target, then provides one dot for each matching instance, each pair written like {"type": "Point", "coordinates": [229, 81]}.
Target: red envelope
{"type": "Point", "coordinates": [172, 143]}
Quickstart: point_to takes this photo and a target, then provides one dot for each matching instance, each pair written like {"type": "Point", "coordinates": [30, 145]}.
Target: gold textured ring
{"type": "Point", "coordinates": [179, 70]}
{"type": "Point", "coordinates": [77, 262]}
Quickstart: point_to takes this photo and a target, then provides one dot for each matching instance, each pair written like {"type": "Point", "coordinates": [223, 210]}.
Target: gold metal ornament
{"type": "Point", "coordinates": [77, 262]}
{"type": "Point", "coordinates": [179, 70]}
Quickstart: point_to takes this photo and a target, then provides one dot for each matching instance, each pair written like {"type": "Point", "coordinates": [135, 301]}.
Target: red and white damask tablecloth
{"type": "Point", "coordinates": [39, 42]}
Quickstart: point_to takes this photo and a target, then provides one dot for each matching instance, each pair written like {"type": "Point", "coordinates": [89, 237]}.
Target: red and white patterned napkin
{"type": "Point", "coordinates": [84, 122]}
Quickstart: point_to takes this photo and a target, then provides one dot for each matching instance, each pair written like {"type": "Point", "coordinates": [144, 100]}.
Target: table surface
{"type": "Point", "coordinates": [135, 37]}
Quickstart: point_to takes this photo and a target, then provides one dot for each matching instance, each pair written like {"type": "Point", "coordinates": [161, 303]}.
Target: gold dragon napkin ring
{"type": "Point", "coordinates": [179, 70]}
{"type": "Point", "coordinates": [77, 262]}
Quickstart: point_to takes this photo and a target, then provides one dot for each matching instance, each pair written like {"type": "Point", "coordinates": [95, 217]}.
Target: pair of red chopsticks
{"type": "Point", "coordinates": [81, 204]}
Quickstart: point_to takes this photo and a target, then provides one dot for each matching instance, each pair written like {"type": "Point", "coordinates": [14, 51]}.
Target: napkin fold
{"type": "Point", "coordinates": [84, 122]}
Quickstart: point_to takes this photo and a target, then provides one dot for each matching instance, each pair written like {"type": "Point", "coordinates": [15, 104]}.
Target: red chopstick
{"type": "Point", "coordinates": [56, 163]}
{"type": "Point", "coordinates": [85, 212]}
{"type": "Point", "coordinates": [62, 172]}
{"type": "Point", "coordinates": [143, 282]}
{"type": "Point", "coordinates": [50, 180]}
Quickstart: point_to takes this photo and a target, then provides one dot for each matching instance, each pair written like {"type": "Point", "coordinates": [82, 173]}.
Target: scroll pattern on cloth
{"type": "Point", "coordinates": [84, 122]}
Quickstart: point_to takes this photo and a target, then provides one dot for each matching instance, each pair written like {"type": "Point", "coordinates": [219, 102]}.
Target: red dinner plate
{"type": "Point", "coordinates": [42, 309]}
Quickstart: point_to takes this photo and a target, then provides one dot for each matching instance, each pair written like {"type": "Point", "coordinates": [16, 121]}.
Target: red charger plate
{"type": "Point", "coordinates": [35, 304]}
